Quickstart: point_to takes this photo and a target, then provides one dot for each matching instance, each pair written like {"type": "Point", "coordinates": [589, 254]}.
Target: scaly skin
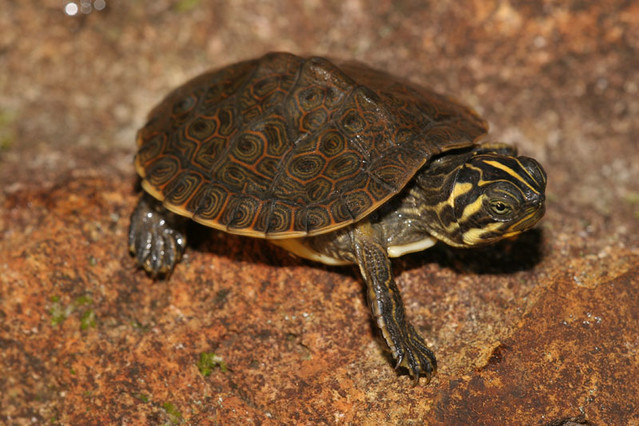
{"type": "Point", "coordinates": [407, 346]}
{"type": "Point", "coordinates": [157, 237]}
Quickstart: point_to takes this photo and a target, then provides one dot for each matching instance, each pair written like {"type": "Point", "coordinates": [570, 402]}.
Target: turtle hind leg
{"type": "Point", "coordinates": [157, 237]}
{"type": "Point", "coordinates": [407, 346]}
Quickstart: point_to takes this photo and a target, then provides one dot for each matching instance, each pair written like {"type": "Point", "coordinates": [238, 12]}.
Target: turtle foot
{"type": "Point", "coordinates": [411, 352]}
{"type": "Point", "coordinates": [157, 237]}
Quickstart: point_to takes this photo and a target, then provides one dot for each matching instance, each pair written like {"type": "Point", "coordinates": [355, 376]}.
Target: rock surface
{"type": "Point", "coordinates": [540, 330]}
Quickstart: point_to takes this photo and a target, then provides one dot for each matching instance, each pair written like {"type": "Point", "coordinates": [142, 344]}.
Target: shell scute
{"type": "Point", "coordinates": [208, 202]}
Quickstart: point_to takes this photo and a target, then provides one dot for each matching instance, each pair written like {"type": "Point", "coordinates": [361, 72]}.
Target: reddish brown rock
{"type": "Point", "coordinates": [537, 330]}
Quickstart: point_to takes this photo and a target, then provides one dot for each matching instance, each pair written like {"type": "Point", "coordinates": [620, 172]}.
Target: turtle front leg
{"type": "Point", "coordinates": [408, 347]}
{"type": "Point", "coordinates": [157, 237]}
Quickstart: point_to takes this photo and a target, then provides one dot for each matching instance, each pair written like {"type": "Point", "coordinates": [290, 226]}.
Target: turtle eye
{"type": "Point", "coordinates": [500, 208]}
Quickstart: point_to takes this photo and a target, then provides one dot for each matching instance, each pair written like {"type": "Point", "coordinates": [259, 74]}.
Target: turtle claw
{"type": "Point", "coordinates": [413, 354]}
{"type": "Point", "coordinates": [400, 359]}
{"type": "Point", "coordinates": [156, 237]}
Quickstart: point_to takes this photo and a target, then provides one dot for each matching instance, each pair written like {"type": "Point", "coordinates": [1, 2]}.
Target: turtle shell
{"type": "Point", "coordinates": [284, 146]}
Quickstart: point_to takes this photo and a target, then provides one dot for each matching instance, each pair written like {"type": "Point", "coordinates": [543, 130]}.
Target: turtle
{"type": "Point", "coordinates": [334, 161]}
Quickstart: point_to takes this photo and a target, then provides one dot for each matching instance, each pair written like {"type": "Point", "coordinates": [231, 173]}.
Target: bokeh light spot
{"type": "Point", "coordinates": [71, 8]}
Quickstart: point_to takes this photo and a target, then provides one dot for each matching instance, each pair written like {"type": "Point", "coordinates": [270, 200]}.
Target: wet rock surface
{"type": "Point", "coordinates": [541, 329]}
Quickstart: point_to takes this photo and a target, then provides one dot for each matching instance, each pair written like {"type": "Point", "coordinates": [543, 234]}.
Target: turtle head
{"type": "Point", "coordinates": [495, 196]}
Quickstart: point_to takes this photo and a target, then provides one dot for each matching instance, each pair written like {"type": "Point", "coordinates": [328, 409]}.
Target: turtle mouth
{"type": "Point", "coordinates": [531, 216]}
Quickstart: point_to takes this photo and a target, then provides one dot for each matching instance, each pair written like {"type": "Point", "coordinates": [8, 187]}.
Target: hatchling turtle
{"type": "Point", "coordinates": [336, 162]}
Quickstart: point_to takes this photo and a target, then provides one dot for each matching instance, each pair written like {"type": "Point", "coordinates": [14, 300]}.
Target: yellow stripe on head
{"type": "Point", "coordinates": [474, 236]}
{"type": "Point", "coordinates": [459, 189]}
{"type": "Point", "coordinates": [511, 172]}
{"type": "Point", "coordinates": [472, 208]}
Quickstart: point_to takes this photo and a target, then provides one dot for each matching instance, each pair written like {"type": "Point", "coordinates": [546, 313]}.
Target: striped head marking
{"type": "Point", "coordinates": [496, 196]}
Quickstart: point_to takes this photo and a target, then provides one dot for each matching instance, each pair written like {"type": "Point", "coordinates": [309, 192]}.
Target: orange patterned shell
{"type": "Point", "coordinates": [283, 146]}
